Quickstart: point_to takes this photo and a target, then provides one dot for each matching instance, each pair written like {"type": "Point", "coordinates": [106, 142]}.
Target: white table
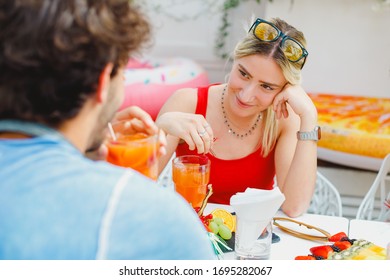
{"type": "Point", "coordinates": [373, 231]}
{"type": "Point", "coordinates": [290, 246]}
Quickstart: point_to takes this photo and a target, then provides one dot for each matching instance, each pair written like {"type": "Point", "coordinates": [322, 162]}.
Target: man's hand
{"type": "Point", "coordinates": [139, 121]}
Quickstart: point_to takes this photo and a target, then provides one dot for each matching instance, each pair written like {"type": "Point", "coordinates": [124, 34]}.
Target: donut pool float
{"type": "Point", "coordinates": [149, 83]}
{"type": "Point", "coordinates": [355, 129]}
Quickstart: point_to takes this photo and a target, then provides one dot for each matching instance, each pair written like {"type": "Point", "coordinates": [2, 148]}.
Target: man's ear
{"type": "Point", "coordinates": [104, 82]}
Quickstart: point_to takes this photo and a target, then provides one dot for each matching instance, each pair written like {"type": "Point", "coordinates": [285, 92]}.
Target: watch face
{"type": "Point", "coordinates": [318, 132]}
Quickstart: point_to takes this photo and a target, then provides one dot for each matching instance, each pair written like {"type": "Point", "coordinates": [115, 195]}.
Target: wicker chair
{"type": "Point", "coordinates": [326, 199]}
{"type": "Point", "coordinates": [380, 185]}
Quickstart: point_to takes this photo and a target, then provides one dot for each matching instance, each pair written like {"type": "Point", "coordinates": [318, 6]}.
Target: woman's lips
{"type": "Point", "coordinates": [242, 104]}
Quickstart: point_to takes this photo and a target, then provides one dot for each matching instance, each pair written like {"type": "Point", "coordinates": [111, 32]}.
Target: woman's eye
{"type": "Point", "coordinates": [267, 87]}
{"type": "Point", "coordinates": [244, 74]}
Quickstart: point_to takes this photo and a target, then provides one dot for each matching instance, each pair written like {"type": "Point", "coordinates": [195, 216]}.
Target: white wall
{"type": "Point", "coordinates": [348, 42]}
{"type": "Point", "coordinates": [194, 38]}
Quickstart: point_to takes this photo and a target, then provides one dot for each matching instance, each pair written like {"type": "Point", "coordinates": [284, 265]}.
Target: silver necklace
{"type": "Point", "coordinates": [226, 121]}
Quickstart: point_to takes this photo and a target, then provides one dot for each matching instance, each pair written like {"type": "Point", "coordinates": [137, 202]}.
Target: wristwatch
{"type": "Point", "coordinates": [314, 135]}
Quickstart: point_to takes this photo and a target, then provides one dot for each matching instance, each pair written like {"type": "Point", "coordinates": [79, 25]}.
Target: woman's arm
{"type": "Point", "coordinates": [177, 119]}
{"type": "Point", "coordinates": [296, 160]}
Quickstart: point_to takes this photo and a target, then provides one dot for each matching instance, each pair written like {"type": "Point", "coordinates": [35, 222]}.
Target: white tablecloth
{"type": "Point", "coordinates": [376, 232]}
{"type": "Point", "coordinates": [290, 246]}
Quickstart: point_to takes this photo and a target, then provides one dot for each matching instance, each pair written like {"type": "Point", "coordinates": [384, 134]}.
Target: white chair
{"type": "Point", "coordinates": [381, 184]}
{"type": "Point", "coordinates": [326, 199]}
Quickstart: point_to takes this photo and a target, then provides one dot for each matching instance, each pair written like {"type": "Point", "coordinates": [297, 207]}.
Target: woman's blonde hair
{"type": "Point", "coordinates": [250, 45]}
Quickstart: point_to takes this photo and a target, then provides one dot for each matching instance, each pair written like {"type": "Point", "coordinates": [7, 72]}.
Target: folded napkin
{"type": "Point", "coordinates": [254, 210]}
{"type": "Point", "coordinates": [257, 205]}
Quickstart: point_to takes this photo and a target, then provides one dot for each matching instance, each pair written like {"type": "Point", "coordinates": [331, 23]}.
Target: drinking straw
{"type": "Point", "coordinates": [112, 133]}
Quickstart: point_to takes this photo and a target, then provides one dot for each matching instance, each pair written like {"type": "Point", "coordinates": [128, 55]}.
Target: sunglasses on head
{"type": "Point", "coordinates": [268, 32]}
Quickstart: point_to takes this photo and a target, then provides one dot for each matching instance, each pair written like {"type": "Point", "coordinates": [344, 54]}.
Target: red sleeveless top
{"type": "Point", "coordinates": [231, 176]}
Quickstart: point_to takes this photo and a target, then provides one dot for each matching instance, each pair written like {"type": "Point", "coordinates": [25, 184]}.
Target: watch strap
{"type": "Point", "coordinates": [314, 135]}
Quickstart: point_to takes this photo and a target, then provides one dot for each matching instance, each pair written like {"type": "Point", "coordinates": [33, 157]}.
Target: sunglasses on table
{"type": "Point", "coordinates": [268, 32]}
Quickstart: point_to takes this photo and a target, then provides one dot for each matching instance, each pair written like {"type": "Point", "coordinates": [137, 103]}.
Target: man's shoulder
{"type": "Point", "coordinates": [167, 219]}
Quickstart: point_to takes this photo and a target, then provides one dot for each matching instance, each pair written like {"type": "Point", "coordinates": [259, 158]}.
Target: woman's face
{"type": "Point", "coordinates": [254, 82]}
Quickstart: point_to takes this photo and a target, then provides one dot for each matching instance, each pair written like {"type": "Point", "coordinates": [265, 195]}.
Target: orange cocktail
{"type": "Point", "coordinates": [137, 151]}
{"type": "Point", "coordinates": [191, 174]}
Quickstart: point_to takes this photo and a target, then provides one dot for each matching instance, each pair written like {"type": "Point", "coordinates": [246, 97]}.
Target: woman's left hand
{"type": "Point", "coordinates": [298, 100]}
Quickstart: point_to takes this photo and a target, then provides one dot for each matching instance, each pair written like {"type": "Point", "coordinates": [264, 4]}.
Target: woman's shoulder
{"type": "Point", "coordinates": [185, 93]}
{"type": "Point", "coordinates": [183, 100]}
{"type": "Point", "coordinates": [188, 93]}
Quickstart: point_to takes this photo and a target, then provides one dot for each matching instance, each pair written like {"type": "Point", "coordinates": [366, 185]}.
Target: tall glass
{"type": "Point", "coordinates": [253, 239]}
{"type": "Point", "coordinates": [191, 175]}
{"type": "Point", "coordinates": [133, 149]}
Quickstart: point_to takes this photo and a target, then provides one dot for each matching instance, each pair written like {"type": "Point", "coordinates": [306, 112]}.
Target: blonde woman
{"type": "Point", "coordinates": [259, 124]}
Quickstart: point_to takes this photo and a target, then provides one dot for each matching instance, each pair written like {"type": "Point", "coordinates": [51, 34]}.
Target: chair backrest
{"type": "Point", "coordinates": [381, 184]}
{"type": "Point", "coordinates": [326, 199]}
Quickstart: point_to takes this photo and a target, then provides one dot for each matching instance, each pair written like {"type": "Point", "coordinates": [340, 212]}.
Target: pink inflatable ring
{"type": "Point", "coordinates": [149, 83]}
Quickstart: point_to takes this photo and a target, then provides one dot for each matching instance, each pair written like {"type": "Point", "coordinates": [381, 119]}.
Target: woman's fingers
{"type": "Point", "coordinates": [277, 109]}
{"type": "Point", "coordinates": [210, 132]}
{"type": "Point", "coordinates": [280, 107]}
{"type": "Point", "coordinates": [192, 128]}
{"type": "Point", "coordinates": [206, 134]}
{"type": "Point", "coordinates": [187, 137]}
{"type": "Point", "coordinates": [198, 137]}
{"type": "Point", "coordinates": [284, 109]}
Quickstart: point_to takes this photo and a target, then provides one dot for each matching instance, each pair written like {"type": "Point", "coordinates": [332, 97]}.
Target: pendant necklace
{"type": "Point", "coordinates": [226, 121]}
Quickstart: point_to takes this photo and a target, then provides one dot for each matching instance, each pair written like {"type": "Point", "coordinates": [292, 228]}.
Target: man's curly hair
{"type": "Point", "coordinates": [53, 51]}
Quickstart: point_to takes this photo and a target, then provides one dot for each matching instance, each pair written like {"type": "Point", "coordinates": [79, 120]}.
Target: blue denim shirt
{"type": "Point", "coordinates": [57, 204]}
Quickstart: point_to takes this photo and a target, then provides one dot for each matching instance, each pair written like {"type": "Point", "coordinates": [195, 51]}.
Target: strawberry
{"type": "Point", "coordinates": [342, 245]}
{"type": "Point", "coordinates": [321, 251]}
{"type": "Point", "coordinates": [337, 237]}
{"type": "Point", "coordinates": [308, 257]}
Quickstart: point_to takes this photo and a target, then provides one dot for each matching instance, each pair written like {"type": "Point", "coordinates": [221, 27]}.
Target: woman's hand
{"type": "Point", "coordinates": [192, 128]}
{"type": "Point", "coordinates": [298, 100]}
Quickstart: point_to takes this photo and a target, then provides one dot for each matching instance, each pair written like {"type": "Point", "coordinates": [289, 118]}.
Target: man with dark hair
{"type": "Point", "coordinates": [61, 82]}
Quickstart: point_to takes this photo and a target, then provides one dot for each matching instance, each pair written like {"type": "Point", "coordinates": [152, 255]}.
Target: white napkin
{"type": "Point", "coordinates": [254, 210]}
{"type": "Point", "coordinates": [257, 205]}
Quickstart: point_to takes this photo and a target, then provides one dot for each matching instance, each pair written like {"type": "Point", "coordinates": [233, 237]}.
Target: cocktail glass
{"type": "Point", "coordinates": [191, 175]}
{"type": "Point", "coordinates": [133, 149]}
